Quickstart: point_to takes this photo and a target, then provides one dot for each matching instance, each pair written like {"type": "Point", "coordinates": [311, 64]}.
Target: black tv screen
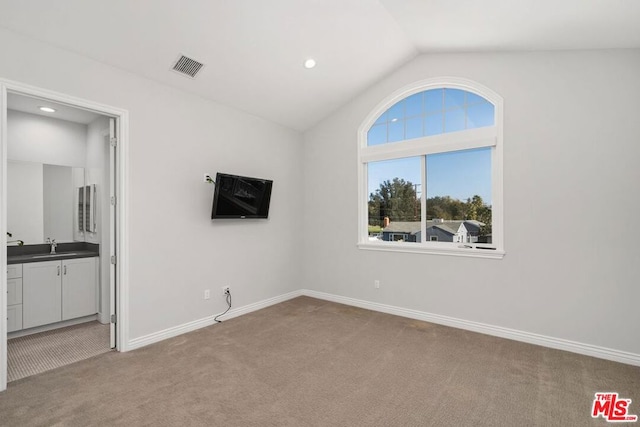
{"type": "Point", "coordinates": [241, 197]}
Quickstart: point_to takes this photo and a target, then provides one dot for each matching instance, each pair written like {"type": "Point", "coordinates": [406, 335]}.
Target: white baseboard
{"type": "Point", "coordinates": [104, 318]}
{"type": "Point", "coordinates": [207, 321]}
{"type": "Point", "coordinates": [498, 331]}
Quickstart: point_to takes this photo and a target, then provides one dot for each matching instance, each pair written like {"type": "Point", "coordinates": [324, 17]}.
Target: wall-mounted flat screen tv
{"type": "Point", "coordinates": [241, 197]}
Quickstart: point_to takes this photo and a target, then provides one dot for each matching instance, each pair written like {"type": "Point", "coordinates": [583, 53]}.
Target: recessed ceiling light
{"type": "Point", "coordinates": [47, 109]}
{"type": "Point", "coordinates": [310, 63]}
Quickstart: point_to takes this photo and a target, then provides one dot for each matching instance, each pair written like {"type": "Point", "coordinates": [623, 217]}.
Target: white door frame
{"type": "Point", "coordinates": [122, 216]}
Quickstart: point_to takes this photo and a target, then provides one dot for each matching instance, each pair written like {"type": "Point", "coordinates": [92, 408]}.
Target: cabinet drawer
{"type": "Point", "coordinates": [14, 270]}
{"type": "Point", "coordinates": [14, 318]}
{"type": "Point", "coordinates": [14, 291]}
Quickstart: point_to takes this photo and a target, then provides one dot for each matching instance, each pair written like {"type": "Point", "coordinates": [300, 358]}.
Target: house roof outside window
{"type": "Point", "coordinates": [448, 226]}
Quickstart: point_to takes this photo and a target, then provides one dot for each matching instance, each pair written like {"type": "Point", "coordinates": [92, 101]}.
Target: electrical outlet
{"type": "Point", "coordinates": [207, 294]}
{"type": "Point", "coordinates": [207, 178]}
{"type": "Point", "coordinates": [376, 284]}
{"type": "Point", "coordinates": [226, 290]}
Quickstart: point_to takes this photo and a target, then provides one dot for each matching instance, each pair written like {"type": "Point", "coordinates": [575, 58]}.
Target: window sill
{"type": "Point", "coordinates": [451, 250]}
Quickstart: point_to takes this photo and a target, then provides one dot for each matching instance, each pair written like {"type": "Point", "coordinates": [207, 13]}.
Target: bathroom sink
{"type": "Point", "coordinates": [56, 254]}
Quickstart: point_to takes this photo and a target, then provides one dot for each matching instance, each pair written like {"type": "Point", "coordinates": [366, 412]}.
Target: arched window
{"type": "Point", "coordinates": [430, 171]}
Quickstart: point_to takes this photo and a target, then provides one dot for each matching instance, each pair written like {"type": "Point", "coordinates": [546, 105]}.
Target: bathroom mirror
{"type": "Point", "coordinates": [49, 201]}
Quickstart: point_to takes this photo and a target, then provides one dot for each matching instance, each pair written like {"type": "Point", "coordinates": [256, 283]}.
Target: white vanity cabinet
{"type": "Point", "coordinates": [41, 293]}
{"type": "Point", "coordinates": [79, 288]}
{"type": "Point", "coordinates": [14, 297]}
{"type": "Point", "coordinates": [53, 291]}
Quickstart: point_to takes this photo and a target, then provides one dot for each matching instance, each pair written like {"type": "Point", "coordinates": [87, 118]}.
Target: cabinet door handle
{"type": "Point", "coordinates": [65, 270]}
{"type": "Point", "coordinates": [58, 270]}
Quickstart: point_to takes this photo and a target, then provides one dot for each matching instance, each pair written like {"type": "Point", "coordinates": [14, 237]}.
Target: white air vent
{"type": "Point", "coordinates": [187, 66]}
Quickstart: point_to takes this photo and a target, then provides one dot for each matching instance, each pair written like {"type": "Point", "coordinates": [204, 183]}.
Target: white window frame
{"type": "Point", "coordinates": [490, 136]}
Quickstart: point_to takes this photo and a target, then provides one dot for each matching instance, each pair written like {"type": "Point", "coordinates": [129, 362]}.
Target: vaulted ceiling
{"type": "Point", "coordinates": [253, 50]}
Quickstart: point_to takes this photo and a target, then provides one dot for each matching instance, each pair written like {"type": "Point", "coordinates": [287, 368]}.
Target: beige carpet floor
{"type": "Point", "coordinates": [307, 362]}
{"type": "Point", "coordinates": [33, 354]}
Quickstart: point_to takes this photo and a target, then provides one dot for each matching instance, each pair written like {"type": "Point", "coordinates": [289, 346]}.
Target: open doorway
{"type": "Point", "coordinates": [61, 184]}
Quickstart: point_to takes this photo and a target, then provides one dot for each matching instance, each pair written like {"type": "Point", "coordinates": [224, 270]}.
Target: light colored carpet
{"type": "Point", "coordinates": [33, 354]}
{"type": "Point", "coordinates": [307, 362]}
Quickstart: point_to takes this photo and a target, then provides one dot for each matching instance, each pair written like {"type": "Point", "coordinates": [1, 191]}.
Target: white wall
{"type": "Point", "coordinates": [35, 138]}
{"type": "Point", "coordinates": [176, 251]}
{"type": "Point", "coordinates": [97, 173]}
{"type": "Point", "coordinates": [571, 151]}
{"type": "Point", "coordinates": [25, 203]}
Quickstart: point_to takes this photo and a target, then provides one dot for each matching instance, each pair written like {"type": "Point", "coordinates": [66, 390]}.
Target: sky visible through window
{"type": "Point", "coordinates": [459, 174]}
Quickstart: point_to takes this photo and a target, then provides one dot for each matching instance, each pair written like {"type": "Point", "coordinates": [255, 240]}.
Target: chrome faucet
{"type": "Point", "coordinates": [19, 242]}
{"type": "Point", "coordinates": [53, 244]}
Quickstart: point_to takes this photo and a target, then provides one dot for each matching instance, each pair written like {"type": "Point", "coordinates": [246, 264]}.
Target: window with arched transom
{"type": "Point", "coordinates": [430, 171]}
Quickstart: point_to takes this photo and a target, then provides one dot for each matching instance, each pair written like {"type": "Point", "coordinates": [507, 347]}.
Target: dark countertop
{"type": "Point", "coordinates": [23, 259]}
{"type": "Point", "coordinates": [39, 253]}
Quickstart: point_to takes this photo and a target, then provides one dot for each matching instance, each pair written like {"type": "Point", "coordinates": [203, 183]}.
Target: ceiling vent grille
{"type": "Point", "coordinates": [187, 66]}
